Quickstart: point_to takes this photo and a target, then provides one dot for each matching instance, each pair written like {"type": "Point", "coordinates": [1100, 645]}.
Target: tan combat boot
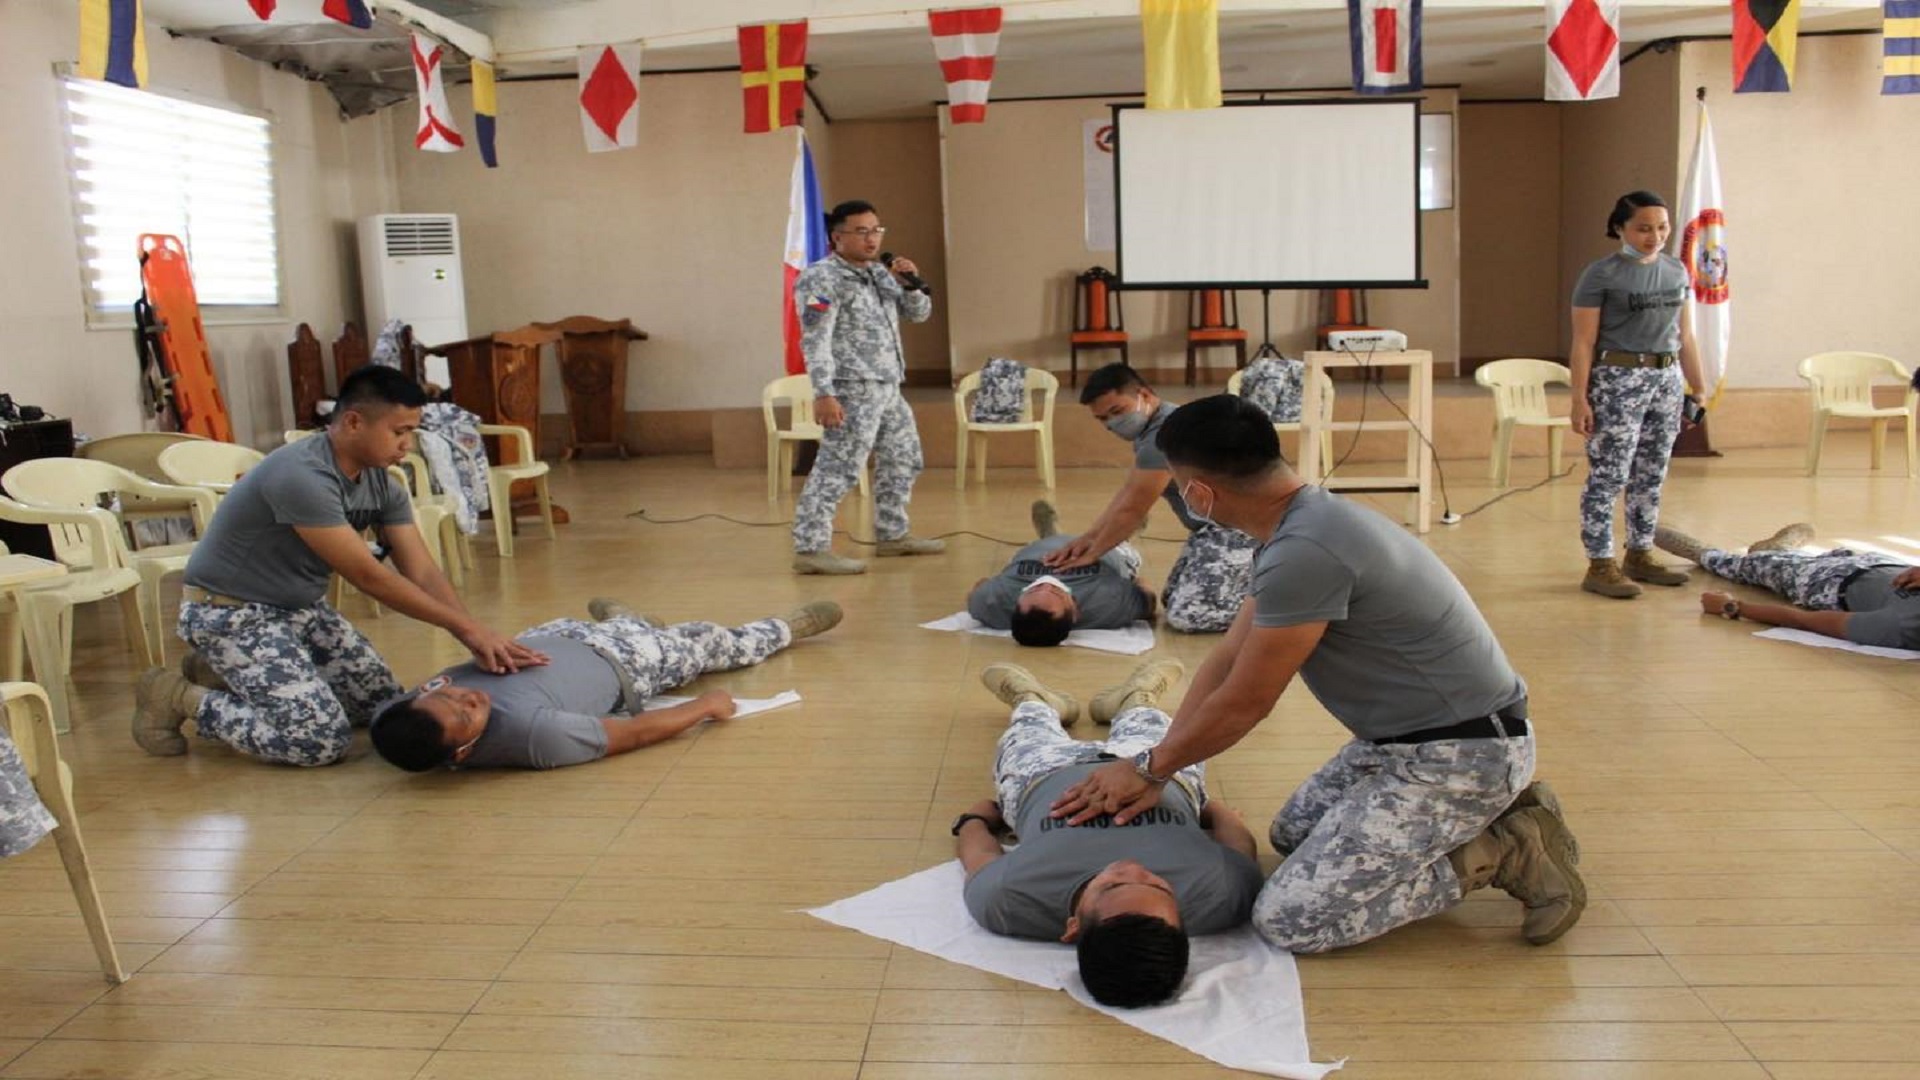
{"type": "Point", "coordinates": [1541, 794]}
{"type": "Point", "coordinates": [1527, 854]}
{"type": "Point", "coordinates": [1786, 539]}
{"type": "Point", "coordinates": [603, 608]}
{"type": "Point", "coordinates": [162, 702]}
{"type": "Point", "coordinates": [1014, 684]}
{"type": "Point", "coordinates": [908, 545]}
{"type": "Point", "coordinates": [1046, 519]}
{"type": "Point", "coordinates": [1142, 690]}
{"type": "Point", "coordinates": [1675, 542]}
{"type": "Point", "coordinates": [809, 619]}
{"type": "Point", "coordinates": [1640, 565]}
{"type": "Point", "coordinates": [826, 562]}
{"type": "Point", "coordinates": [1605, 579]}
{"type": "Point", "coordinates": [200, 673]}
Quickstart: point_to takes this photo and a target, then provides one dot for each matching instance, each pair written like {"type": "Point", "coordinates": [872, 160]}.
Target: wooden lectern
{"type": "Point", "coordinates": [593, 372]}
{"type": "Point", "coordinates": [497, 377]}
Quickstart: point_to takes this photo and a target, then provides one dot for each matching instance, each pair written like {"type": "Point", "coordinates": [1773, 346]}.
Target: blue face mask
{"type": "Point", "coordinates": [1186, 496]}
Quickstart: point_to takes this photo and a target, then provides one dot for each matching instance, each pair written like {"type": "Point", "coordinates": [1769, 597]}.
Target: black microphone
{"type": "Point", "coordinates": [911, 281]}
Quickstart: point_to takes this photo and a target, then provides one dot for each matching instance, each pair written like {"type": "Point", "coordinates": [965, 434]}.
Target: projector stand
{"type": "Point", "coordinates": [1266, 348]}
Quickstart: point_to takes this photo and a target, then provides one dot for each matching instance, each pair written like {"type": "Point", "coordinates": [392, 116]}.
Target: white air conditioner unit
{"type": "Point", "coordinates": [410, 270]}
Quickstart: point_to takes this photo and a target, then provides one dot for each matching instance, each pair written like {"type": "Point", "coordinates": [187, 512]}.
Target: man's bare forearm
{"type": "Point", "coordinates": [1832, 624]}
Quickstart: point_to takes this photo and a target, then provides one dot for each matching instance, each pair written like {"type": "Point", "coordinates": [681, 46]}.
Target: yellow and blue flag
{"type": "Point", "coordinates": [1183, 53]}
{"type": "Point", "coordinates": [1900, 48]}
{"type": "Point", "coordinates": [113, 42]}
{"type": "Point", "coordinates": [486, 111]}
{"type": "Point", "coordinates": [1765, 33]}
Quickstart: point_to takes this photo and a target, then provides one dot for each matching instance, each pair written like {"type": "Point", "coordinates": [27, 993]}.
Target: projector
{"type": "Point", "coordinates": [1369, 340]}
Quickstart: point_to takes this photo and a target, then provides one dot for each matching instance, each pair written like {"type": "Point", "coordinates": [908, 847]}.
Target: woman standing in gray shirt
{"type": "Point", "coordinates": [1631, 345]}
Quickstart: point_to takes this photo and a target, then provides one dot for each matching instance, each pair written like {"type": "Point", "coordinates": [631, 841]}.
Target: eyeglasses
{"type": "Point", "coordinates": [864, 234]}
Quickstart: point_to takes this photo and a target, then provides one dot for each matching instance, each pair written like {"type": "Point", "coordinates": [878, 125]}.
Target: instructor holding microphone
{"type": "Point", "coordinates": [850, 306]}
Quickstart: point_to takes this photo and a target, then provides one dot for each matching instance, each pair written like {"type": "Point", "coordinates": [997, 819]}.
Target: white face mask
{"type": "Point", "coordinates": [1186, 496]}
{"type": "Point", "coordinates": [1048, 579]}
{"type": "Point", "coordinates": [1128, 425]}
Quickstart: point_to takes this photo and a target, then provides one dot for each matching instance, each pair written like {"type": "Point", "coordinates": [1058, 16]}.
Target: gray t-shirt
{"type": "Point", "coordinates": [1882, 616]}
{"type": "Point", "coordinates": [251, 552]}
{"type": "Point", "coordinates": [1639, 302]}
{"type": "Point", "coordinates": [544, 717]}
{"type": "Point", "coordinates": [1147, 455]}
{"type": "Point", "coordinates": [1027, 892]}
{"type": "Point", "coordinates": [1105, 591]}
{"type": "Point", "coordinates": [1405, 647]}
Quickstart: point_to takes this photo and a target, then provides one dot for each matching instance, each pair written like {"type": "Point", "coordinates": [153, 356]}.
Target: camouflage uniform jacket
{"type": "Point", "coordinates": [850, 323]}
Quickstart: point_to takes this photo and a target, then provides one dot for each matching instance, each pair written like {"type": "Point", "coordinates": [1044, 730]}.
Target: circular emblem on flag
{"type": "Point", "coordinates": [1703, 250]}
{"type": "Point", "coordinates": [1103, 139]}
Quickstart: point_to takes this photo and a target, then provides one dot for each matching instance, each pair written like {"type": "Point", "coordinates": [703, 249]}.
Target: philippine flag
{"type": "Point", "coordinates": [806, 243]}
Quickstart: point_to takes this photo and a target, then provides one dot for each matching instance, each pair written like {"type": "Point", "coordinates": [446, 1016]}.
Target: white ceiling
{"type": "Point", "coordinates": [873, 61]}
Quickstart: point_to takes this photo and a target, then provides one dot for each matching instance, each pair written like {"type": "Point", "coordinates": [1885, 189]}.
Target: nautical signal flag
{"type": "Point", "coordinates": [806, 245]}
{"type": "Point", "coordinates": [1183, 53]}
{"type": "Point", "coordinates": [1900, 48]}
{"type": "Point", "coordinates": [486, 111]}
{"type": "Point", "coordinates": [965, 40]}
{"type": "Point", "coordinates": [352, 12]}
{"type": "Point", "coordinates": [1765, 33]}
{"type": "Point", "coordinates": [436, 131]}
{"type": "Point", "coordinates": [263, 8]}
{"type": "Point", "coordinates": [113, 42]}
{"type": "Point", "coordinates": [610, 96]}
{"type": "Point", "coordinates": [1583, 50]}
{"type": "Point", "coordinates": [1384, 39]}
{"type": "Point", "coordinates": [773, 74]}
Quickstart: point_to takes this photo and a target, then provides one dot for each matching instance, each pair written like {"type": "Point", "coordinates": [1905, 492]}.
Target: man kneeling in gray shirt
{"type": "Point", "coordinates": [585, 704]}
{"type": "Point", "coordinates": [1042, 606]}
{"type": "Point", "coordinates": [1126, 897]}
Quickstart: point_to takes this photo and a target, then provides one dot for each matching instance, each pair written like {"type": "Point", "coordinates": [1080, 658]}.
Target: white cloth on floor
{"type": "Point", "coordinates": [1240, 1006]}
{"type": "Point", "coordinates": [1132, 641]}
{"type": "Point", "coordinates": [741, 706]}
{"type": "Point", "coordinates": [1822, 641]}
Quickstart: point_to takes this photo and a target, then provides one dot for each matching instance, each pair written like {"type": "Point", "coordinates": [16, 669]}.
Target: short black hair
{"type": "Point", "coordinates": [410, 737]}
{"type": "Point", "coordinates": [1106, 380]}
{"type": "Point", "coordinates": [1630, 204]}
{"type": "Point", "coordinates": [377, 385]}
{"type": "Point", "coordinates": [1225, 435]}
{"type": "Point", "coordinates": [1131, 961]}
{"type": "Point", "coordinates": [838, 216]}
{"type": "Point", "coordinates": [1039, 628]}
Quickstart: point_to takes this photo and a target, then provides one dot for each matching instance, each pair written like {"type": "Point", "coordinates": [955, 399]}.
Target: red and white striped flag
{"type": "Point", "coordinates": [1583, 49]}
{"type": "Point", "coordinates": [436, 131]}
{"type": "Point", "coordinates": [965, 40]}
{"type": "Point", "coordinates": [1383, 38]}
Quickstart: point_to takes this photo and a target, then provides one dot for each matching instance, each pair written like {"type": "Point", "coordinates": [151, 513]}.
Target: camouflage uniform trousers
{"type": "Point", "coordinates": [1365, 839]}
{"type": "Point", "coordinates": [659, 658]}
{"type": "Point", "coordinates": [1035, 745]}
{"type": "Point", "coordinates": [1209, 580]}
{"type": "Point", "coordinates": [880, 425]}
{"type": "Point", "coordinates": [1813, 582]}
{"type": "Point", "coordinates": [24, 819]}
{"type": "Point", "coordinates": [1636, 417]}
{"type": "Point", "coordinates": [1003, 392]}
{"type": "Point", "coordinates": [301, 679]}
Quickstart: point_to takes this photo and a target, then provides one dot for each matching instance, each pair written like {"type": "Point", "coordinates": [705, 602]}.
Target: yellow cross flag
{"type": "Point", "coordinates": [1183, 53]}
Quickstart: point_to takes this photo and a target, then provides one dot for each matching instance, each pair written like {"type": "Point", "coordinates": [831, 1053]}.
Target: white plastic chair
{"type": "Point", "coordinates": [500, 481]}
{"type": "Point", "coordinates": [1326, 415]}
{"type": "Point", "coordinates": [204, 463]}
{"type": "Point", "coordinates": [29, 718]}
{"type": "Point", "coordinates": [454, 549]}
{"type": "Point", "coordinates": [139, 453]}
{"type": "Point", "coordinates": [972, 436]}
{"type": "Point", "coordinates": [1841, 384]}
{"type": "Point", "coordinates": [75, 484]}
{"type": "Point", "coordinates": [796, 391]}
{"type": "Point", "coordinates": [1520, 400]}
{"type": "Point", "coordinates": [46, 610]}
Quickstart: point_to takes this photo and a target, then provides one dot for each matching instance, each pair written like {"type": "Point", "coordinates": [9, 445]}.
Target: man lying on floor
{"type": "Point", "coordinates": [585, 704]}
{"type": "Point", "coordinates": [1857, 596]}
{"type": "Point", "coordinates": [1125, 897]}
{"type": "Point", "coordinates": [1042, 606]}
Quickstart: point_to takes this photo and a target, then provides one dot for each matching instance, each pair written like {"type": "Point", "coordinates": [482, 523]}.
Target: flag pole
{"type": "Point", "coordinates": [1694, 441]}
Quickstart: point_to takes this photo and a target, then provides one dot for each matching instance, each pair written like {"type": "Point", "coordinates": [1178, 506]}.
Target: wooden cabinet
{"type": "Point", "coordinates": [593, 372]}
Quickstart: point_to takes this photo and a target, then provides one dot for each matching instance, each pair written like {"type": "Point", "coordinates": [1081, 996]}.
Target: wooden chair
{"type": "Point", "coordinates": [1326, 415]}
{"type": "Point", "coordinates": [1213, 321]}
{"type": "Point", "coordinates": [973, 432]}
{"type": "Point", "coordinates": [796, 392]}
{"type": "Point", "coordinates": [1098, 320]}
{"type": "Point", "coordinates": [30, 721]}
{"type": "Point", "coordinates": [77, 485]}
{"type": "Point", "coordinates": [1520, 400]}
{"type": "Point", "coordinates": [308, 376]}
{"type": "Point", "coordinates": [1841, 384]}
{"type": "Point", "coordinates": [350, 353]}
{"type": "Point", "coordinates": [593, 373]}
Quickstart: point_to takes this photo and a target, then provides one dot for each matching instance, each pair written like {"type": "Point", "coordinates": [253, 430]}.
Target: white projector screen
{"type": "Point", "coordinates": [1283, 195]}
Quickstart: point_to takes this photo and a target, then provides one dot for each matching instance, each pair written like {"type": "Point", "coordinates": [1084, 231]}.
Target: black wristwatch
{"type": "Point", "coordinates": [964, 818]}
{"type": "Point", "coordinates": [1730, 610]}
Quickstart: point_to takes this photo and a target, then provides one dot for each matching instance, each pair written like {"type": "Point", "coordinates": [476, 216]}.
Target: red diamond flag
{"type": "Point", "coordinates": [1583, 49]}
{"type": "Point", "coordinates": [436, 131]}
{"type": "Point", "coordinates": [263, 8]}
{"type": "Point", "coordinates": [609, 96]}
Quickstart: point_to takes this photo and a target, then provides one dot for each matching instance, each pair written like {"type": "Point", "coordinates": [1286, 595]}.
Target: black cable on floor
{"type": "Point", "coordinates": [642, 515]}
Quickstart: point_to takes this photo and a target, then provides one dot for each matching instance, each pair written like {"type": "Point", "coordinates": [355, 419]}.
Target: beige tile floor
{"type": "Point", "coordinates": [1748, 812]}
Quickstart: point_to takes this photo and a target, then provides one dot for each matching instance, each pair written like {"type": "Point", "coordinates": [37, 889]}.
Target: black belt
{"type": "Point", "coordinates": [1508, 723]}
